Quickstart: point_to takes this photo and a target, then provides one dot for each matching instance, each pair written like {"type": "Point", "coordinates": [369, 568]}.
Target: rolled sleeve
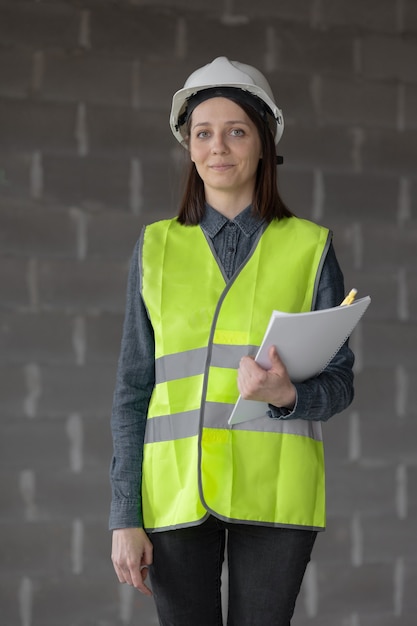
{"type": "Point", "coordinates": [332, 391]}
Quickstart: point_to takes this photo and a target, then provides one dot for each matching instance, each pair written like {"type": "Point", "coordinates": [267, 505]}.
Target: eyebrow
{"type": "Point", "coordinates": [227, 122]}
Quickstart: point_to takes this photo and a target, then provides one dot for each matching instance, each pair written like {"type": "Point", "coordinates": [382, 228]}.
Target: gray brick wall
{"type": "Point", "coordinates": [86, 157]}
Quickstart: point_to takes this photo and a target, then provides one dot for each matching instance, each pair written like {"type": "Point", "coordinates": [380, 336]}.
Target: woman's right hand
{"type": "Point", "coordinates": [131, 555]}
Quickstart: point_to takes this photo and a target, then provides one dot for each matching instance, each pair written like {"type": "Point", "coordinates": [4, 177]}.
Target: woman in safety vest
{"type": "Point", "coordinates": [201, 290]}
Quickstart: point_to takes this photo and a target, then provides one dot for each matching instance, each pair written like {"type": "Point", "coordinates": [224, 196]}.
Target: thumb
{"type": "Point", "coordinates": [276, 363]}
{"type": "Point", "coordinates": [147, 558]}
{"type": "Point", "coordinates": [273, 356]}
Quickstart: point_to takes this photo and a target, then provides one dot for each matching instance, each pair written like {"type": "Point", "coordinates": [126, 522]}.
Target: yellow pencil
{"type": "Point", "coordinates": [350, 297]}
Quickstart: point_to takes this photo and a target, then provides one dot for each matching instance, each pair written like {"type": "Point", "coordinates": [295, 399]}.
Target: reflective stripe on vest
{"type": "Point", "coordinates": [264, 471]}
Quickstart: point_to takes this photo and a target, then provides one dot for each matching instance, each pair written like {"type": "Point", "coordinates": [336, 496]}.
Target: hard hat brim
{"type": "Point", "coordinates": [180, 98]}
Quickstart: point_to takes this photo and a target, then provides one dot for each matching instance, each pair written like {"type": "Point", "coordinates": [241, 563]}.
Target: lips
{"type": "Point", "coordinates": [220, 167]}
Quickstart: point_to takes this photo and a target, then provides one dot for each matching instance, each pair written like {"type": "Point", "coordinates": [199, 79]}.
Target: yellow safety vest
{"type": "Point", "coordinates": [264, 471]}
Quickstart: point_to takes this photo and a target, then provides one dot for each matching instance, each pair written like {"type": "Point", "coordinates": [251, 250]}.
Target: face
{"type": "Point", "coordinates": [225, 147]}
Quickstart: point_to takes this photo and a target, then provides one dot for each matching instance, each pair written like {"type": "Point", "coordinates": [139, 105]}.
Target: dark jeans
{"type": "Point", "coordinates": [266, 568]}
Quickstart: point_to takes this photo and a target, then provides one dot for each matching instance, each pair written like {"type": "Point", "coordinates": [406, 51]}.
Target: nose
{"type": "Point", "coordinates": [218, 145]}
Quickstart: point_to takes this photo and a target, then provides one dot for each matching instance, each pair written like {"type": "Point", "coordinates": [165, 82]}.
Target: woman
{"type": "Point", "coordinates": [201, 290]}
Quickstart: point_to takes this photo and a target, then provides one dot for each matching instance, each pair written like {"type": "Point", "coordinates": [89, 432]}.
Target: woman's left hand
{"type": "Point", "coordinates": [273, 386]}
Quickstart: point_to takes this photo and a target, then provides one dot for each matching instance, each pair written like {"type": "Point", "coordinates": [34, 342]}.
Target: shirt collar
{"type": "Point", "coordinates": [213, 221]}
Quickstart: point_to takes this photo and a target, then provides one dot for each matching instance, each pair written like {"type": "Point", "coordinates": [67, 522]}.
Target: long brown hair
{"type": "Point", "coordinates": [267, 203]}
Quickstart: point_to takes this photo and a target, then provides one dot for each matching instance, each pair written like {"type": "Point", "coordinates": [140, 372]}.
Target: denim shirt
{"type": "Point", "coordinates": [317, 398]}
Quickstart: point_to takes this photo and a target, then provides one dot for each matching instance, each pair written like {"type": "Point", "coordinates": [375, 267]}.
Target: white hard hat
{"type": "Point", "coordinates": [227, 74]}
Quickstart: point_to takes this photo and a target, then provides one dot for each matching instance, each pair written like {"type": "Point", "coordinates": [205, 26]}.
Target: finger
{"type": "Point", "coordinates": [134, 577]}
{"type": "Point", "coordinates": [276, 362]}
{"type": "Point", "coordinates": [147, 557]}
{"type": "Point", "coordinates": [246, 363]}
{"type": "Point", "coordinates": [138, 580]}
{"type": "Point", "coordinates": [144, 571]}
{"type": "Point", "coordinates": [123, 575]}
{"type": "Point", "coordinates": [248, 367]}
{"type": "Point", "coordinates": [249, 382]}
{"type": "Point", "coordinates": [273, 355]}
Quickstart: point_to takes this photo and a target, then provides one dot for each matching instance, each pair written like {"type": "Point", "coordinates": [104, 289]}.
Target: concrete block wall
{"type": "Point", "coordinates": [86, 158]}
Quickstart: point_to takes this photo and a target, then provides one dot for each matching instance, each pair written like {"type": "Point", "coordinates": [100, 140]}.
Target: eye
{"type": "Point", "coordinates": [237, 132]}
{"type": "Point", "coordinates": [202, 134]}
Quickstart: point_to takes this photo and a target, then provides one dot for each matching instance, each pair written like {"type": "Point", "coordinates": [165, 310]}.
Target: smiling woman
{"type": "Point", "coordinates": [202, 286]}
{"type": "Point", "coordinates": [225, 147]}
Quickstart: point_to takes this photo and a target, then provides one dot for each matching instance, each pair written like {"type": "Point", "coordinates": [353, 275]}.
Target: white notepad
{"type": "Point", "coordinates": [306, 343]}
